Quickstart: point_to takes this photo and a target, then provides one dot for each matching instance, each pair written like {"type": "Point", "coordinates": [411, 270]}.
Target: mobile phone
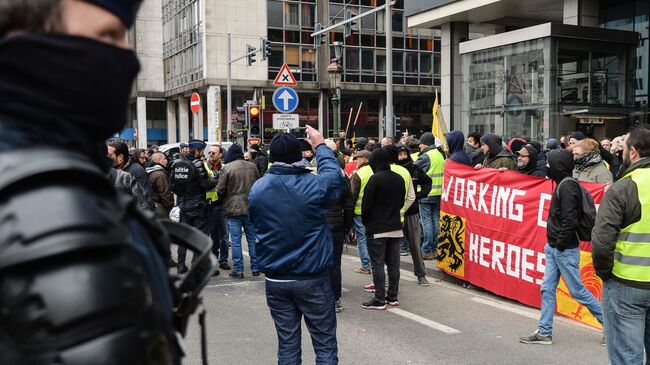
{"type": "Point", "coordinates": [300, 132]}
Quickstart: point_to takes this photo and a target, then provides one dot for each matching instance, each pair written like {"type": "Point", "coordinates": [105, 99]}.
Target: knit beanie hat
{"type": "Point", "coordinates": [285, 147]}
{"type": "Point", "coordinates": [427, 139]}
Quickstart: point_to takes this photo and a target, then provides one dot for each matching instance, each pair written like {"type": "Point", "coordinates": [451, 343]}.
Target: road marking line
{"type": "Point", "coordinates": [506, 307]}
{"type": "Point", "coordinates": [425, 321]}
{"type": "Point", "coordinates": [240, 283]}
{"type": "Point", "coordinates": [344, 290]}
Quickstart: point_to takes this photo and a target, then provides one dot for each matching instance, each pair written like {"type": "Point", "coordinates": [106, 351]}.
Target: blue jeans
{"type": "Point", "coordinates": [313, 299]}
{"type": "Point", "coordinates": [235, 225]}
{"type": "Point", "coordinates": [430, 217]}
{"type": "Point", "coordinates": [567, 264]}
{"type": "Point", "coordinates": [362, 245]}
{"type": "Point", "coordinates": [627, 322]}
{"type": "Point", "coordinates": [218, 230]}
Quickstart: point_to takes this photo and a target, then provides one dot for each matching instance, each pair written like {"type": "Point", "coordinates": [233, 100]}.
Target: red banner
{"type": "Point", "coordinates": [493, 232]}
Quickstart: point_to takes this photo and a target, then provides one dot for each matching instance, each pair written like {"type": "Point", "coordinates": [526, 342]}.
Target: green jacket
{"type": "Point", "coordinates": [620, 208]}
{"type": "Point", "coordinates": [503, 159]}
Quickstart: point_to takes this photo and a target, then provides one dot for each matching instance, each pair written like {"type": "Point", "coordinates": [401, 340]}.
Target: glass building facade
{"type": "Point", "coordinates": [182, 44]}
{"type": "Point", "coordinates": [547, 86]}
{"type": "Point", "coordinates": [633, 16]}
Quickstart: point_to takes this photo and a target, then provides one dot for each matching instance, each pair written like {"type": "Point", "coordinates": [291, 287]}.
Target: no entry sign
{"type": "Point", "coordinates": [195, 103]}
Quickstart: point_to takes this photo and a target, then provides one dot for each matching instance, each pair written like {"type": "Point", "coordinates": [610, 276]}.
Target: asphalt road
{"type": "Point", "coordinates": [444, 323]}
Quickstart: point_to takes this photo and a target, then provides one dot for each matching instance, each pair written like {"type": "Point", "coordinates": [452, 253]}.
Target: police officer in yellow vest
{"type": "Point", "coordinates": [621, 254]}
{"type": "Point", "coordinates": [217, 225]}
{"type": "Point", "coordinates": [432, 162]}
{"type": "Point", "coordinates": [358, 182]}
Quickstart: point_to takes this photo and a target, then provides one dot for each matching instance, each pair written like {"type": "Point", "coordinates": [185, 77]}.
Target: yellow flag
{"type": "Point", "coordinates": [438, 127]}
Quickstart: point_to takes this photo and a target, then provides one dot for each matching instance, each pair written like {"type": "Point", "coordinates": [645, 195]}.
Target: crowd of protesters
{"type": "Point", "coordinates": [382, 195]}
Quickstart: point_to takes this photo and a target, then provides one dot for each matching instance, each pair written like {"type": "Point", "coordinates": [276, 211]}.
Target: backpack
{"type": "Point", "coordinates": [587, 219]}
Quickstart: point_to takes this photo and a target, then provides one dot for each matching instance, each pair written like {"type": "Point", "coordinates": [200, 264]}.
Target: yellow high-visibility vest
{"type": "Point", "coordinates": [632, 253]}
{"type": "Point", "coordinates": [364, 174]}
{"type": "Point", "coordinates": [406, 176]}
{"type": "Point", "coordinates": [210, 195]}
{"type": "Point", "coordinates": [436, 171]}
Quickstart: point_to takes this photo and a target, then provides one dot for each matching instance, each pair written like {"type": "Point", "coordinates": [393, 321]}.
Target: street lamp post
{"type": "Point", "coordinates": [334, 71]}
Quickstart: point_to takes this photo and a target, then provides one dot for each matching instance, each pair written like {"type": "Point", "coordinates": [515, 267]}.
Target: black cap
{"type": "Point", "coordinates": [123, 9]}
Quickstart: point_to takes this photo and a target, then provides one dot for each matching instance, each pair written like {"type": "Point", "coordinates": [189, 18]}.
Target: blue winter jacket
{"type": "Point", "coordinates": [289, 207]}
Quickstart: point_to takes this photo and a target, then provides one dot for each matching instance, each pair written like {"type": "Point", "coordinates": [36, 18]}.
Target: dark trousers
{"type": "Point", "coordinates": [196, 218]}
{"type": "Point", "coordinates": [413, 234]}
{"type": "Point", "coordinates": [334, 271]}
{"type": "Point", "coordinates": [218, 230]}
{"type": "Point", "coordinates": [313, 299]}
{"type": "Point", "coordinates": [384, 251]}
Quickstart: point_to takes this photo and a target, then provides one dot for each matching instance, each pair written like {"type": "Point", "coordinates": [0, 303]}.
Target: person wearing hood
{"type": "Point", "coordinates": [288, 208]}
{"type": "Point", "coordinates": [159, 179]}
{"type": "Point", "coordinates": [235, 181]}
{"type": "Point", "coordinates": [541, 154]}
{"type": "Point", "coordinates": [473, 148]}
{"type": "Point", "coordinates": [589, 165]}
{"type": "Point", "coordinates": [412, 225]}
{"type": "Point", "coordinates": [432, 162]}
{"type": "Point", "coordinates": [455, 141]}
{"type": "Point", "coordinates": [562, 251]}
{"type": "Point", "coordinates": [383, 201]}
{"type": "Point", "coordinates": [259, 158]}
{"type": "Point", "coordinates": [527, 162]}
{"type": "Point", "coordinates": [496, 156]}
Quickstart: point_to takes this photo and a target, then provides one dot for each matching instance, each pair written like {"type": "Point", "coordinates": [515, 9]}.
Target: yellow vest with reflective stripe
{"type": "Point", "coordinates": [364, 174]}
{"type": "Point", "coordinates": [210, 195]}
{"type": "Point", "coordinates": [406, 176]}
{"type": "Point", "coordinates": [632, 253]}
{"type": "Point", "coordinates": [436, 171]}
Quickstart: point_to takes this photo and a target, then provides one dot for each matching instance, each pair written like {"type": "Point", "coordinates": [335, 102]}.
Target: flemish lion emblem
{"type": "Point", "coordinates": [451, 244]}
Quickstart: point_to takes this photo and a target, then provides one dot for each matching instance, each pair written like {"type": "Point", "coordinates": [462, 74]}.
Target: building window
{"type": "Point", "coordinates": [292, 12]}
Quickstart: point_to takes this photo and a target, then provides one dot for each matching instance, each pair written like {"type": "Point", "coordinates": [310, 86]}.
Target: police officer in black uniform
{"type": "Point", "coordinates": [190, 181]}
{"type": "Point", "coordinates": [82, 269]}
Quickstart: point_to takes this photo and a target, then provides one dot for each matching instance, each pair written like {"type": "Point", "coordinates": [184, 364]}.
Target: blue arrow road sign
{"type": "Point", "coordinates": [285, 99]}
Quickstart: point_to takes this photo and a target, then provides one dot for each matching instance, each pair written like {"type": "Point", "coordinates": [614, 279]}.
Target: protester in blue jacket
{"type": "Point", "coordinates": [289, 207]}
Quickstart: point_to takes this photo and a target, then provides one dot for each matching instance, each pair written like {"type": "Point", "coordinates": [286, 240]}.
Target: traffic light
{"type": "Point", "coordinates": [265, 49]}
{"type": "Point", "coordinates": [321, 38]}
{"type": "Point", "coordinates": [241, 114]}
{"type": "Point", "coordinates": [254, 111]}
{"type": "Point", "coordinates": [251, 57]}
{"type": "Point", "coordinates": [347, 28]}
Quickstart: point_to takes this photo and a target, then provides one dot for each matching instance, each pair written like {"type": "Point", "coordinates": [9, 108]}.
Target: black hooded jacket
{"type": "Point", "coordinates": [532, 168]}
{"type": "Point", "coordinates": [497, 156]}
{"type": "Point", "coordinates": [456, 142]}
{"type": "Point", "coordinates": [566, 202]}
{"type": "Point", "coordinates": [383, 197]}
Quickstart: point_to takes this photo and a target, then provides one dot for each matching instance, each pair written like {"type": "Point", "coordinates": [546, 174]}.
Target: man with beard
{"type": "Point", "coordinates": [527, 162]}
{"type": "Point", "coordinates": [412, 227]}
{"type": "Point", "coordinates": [496, 156]}
{"type": "Point", "coordinates": [83, 274]}
{"type": "Point", "coordinates": [620, 250]}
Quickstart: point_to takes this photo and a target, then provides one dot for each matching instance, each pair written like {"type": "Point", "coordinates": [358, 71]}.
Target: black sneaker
{"type": "Point", "coordinates": [423, 281]}
{"type": "Point", "coordinates": [338, 306]}
{"type": "Point", "coordinates": [224, 266]}
{"type": "Point", "coordinates": [236, 275]}
{"type": "Point", "coordinates": [537, 339]}
{"type": "Point", "coordinates": [393, 302]}
{"type": "Point", "coordinates": [256, 273]}
{"type": "Point", "coordinates": [374, 304]}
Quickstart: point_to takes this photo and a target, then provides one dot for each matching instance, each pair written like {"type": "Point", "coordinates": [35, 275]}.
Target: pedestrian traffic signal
{"type": "Point", "coordinates": [250, 59]}
{"type": "Point", "coordinates": [265, 49]}
{"type": "Point", "coordinates": [320, 38]}
{"type": "Point", "coordinates": [347, 28]}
